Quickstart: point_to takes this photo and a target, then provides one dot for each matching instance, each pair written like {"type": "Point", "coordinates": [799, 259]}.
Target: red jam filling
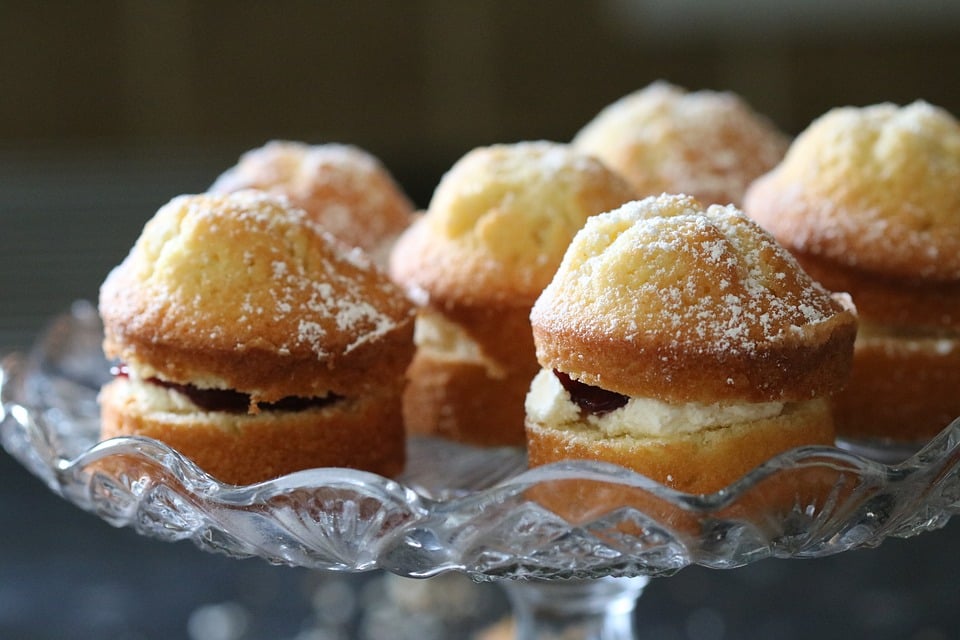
{"type": "Point", "coordinates": [230, 401]}
{"type": "Point", "coordinates": [591, 399]}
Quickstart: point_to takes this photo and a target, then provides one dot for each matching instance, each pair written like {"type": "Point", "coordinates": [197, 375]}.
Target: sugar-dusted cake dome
{"type": "Point", "coordinates": [872, 188]}
{"type": "Point", "coordinates": [241, 291]}
{"type": "Point", "coordinates": [667, 299]}
{"type": "Point", "coordinates": [663, 138]}
{"type": "Point", "coordinates": [500, 220]}
{"type": "Point", "coordinates": [344, 188]}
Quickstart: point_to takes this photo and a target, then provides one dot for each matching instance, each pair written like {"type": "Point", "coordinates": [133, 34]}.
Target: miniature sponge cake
{"type": "Point", "coordinates": [342, 187]}
{"type": "Point", "coordinates": [254, 343]}
{"type": "Point", "coordinates": [489, 242]}
{"type": "Point", "coordinates": [707, 144]}
{"type": "Point", "coordinates": [685, 344]}
{"type": "Point", "coordinates": [868, 201]}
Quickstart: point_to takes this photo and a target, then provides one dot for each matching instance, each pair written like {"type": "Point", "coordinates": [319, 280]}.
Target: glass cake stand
{"type": "Point", "coordinates": [572, 543]}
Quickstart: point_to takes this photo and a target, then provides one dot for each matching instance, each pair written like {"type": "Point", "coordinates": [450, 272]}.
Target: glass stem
{"type": "Point", "coordinates": [598, 609]}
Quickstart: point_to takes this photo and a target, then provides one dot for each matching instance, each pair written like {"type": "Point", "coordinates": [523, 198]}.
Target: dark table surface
{"type": "Point", "coordinates": [65, 219]}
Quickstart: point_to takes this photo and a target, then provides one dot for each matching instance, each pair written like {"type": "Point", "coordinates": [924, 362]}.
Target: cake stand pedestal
{"type": "Point", "coordinates": [597, 609]}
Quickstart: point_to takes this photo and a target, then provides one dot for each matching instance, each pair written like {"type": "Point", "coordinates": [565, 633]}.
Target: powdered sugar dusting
{"type": "Point", "coordinates": [342, 187]}
{"type": "Point", "coordinates": [508, 211]}
{"type": "Point", "coordinates": [708, 144]}
{"type": "Point", "coordinates": [313, 334]}
{"type": "Point", "coordinates": [251, 268]}
{"type": "Point", "coordinates": [338, 302]}
{"type": "Point", "coordinates": [704, 279]}
{"type": "Point", "coordinates": [873, 188]}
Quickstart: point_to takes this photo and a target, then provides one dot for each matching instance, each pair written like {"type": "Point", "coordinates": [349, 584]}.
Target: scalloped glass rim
{"type": "Point", "coordinates": [458, 508]}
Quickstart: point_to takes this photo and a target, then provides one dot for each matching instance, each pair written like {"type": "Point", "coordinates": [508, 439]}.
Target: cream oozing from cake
{"type": "Point", "coordinates": [940, 342]}
{"type": "Point", "coordinates": [160, 398]}
{"type": "Point", "coordinates": [444, 339]}
{"type": "Point", "coordinates": [550, 403]}
{"type": "Point", "coordinates": [144, 387]}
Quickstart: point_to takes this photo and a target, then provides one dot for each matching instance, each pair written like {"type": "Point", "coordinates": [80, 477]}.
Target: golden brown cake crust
{"type": "Point", "coordinates": [664, 299]}
{"type": "Point", "coordinates": [462, 402]}
{"type": "Point", "coordinates": [872, 189]}
{"type": "Point", "coordinates": [905, 382]}
{"type": "Point", "coordinates": [790, 371]}
{"type": "Point", "coordinates": [694, 462]}
{"type": "Point", "coordinates": [910, 306]}
{"type": "Point", "coordinates": [502, 333]}
{"type": "Point", "coordinates": [364, 433]}
{"type": "Point", "coordinates": [241, 292]}
{"type": "Point", "coordinates": [343, 188]}
{"type": "Point", "coordinates": [901, 389]}
{"type": "Point", "coordinates": [707, 144]}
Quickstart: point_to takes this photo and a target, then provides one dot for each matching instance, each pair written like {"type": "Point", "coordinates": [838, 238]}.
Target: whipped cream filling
{"type": "Point", "coordinates": [549, 403]}
{"type": "Point", "coordinates": [163, 399]}
{"type": "Point", "coordinates": [177, 398]}
{"type": "Point", "coordinates": [444, 339]}
{"type": "Point", "coordinates": [941, 342]}
{"type": "Point", "coordinates": [136, 370]}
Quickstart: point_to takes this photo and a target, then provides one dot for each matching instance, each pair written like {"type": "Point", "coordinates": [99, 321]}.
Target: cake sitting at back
{"type": "Point", "coordinates": [663, 138]}
{"type": "Point", "coordinates": [475, 261]}
{"type": "Point", "coordinates": [345, 189]}
{"type": "Point", "coordinates": [868, 200]}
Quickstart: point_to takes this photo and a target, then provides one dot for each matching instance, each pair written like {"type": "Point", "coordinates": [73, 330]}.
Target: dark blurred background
{"type": "Point", "coordinates": [108, 109]}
